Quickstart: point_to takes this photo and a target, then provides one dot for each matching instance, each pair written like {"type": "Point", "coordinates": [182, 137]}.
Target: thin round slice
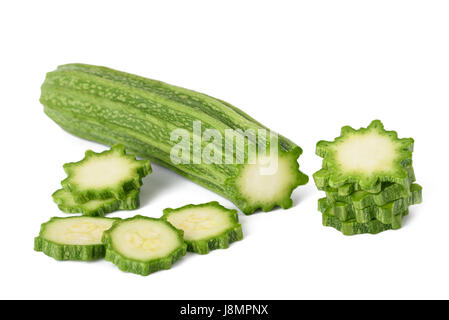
{"type": "Point", "coordinates": [347, 211]}
{"type": "Point", "coordinates": [206, 226]}
{"type": "Point", "coordinates": [73, 238]}
{"type": "Point", "coordinates": [366, 157]}
{"type": "Point", "coordinates": [95, 208]}
{"type": "Point", "coordinates": [362, 199]}
{"type": "Point", "coordinates": [109, 174]}
{"type": "Point", "coordinates": [321, 179]}
{"type": "Point", "coordinates": [143, 245]}
{"type": "Point", "coordinates": [352, 227]}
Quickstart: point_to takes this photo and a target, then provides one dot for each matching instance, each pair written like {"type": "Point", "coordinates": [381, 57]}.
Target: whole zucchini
{"type": "Point", "coordinates": [109, 106]}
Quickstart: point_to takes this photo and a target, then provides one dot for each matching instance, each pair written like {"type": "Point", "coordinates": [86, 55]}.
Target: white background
{"type": "Point", "coordinates": [303, 68]}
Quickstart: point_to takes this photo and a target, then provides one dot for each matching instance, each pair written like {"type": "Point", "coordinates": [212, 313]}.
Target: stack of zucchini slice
{"type": "Point", "coordinates": [102, 183]}
{"type": "Point", "coordinates": [368, 178]}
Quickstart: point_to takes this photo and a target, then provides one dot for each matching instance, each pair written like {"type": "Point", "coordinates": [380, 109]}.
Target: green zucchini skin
{"type": "Point", "coordinates": [131, 202]}
{"type": "Point", "coordinates": [347, 211]}
{"type": "Point", "coordinates": [352, 227]}
{"type": "Point", "coordinates": [363, 199]}
{"type": "Point", "coordinates": [108, 106]}
{"type": "Point", "coordinates": [140, 267]}
{"type": "Point", "coordinates": [62, 252]}
{"type": "Point", "coordinates": [219, 241]}
{"type": "Point", "coordinates": [143, 268]}
{"type": "Point", "coordinates": [321, 178]}
{"type": "Point", "coordinates": [68, 252]}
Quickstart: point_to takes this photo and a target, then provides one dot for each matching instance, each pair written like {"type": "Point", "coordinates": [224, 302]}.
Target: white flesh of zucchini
{"type": "Point", "coordinates": [77, 230]}
{"type": "Point", "coordinates": [144, 239]}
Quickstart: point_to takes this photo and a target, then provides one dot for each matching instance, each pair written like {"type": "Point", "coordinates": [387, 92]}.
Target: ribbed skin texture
{"type": "Point", "coordinates": [363, 199]}
{"type": "Point", "coordinates": [109, 107]}
{"type": "Point", "coordinates": [218, 241]}
{"type": "Point", "coordinates": [61, 251]}
{"type": "Point", "coordinates": [131, 202]}
{"type": "Point", "coordinates": [144, 268]}
{"type": "Point", "coordinates": [321, 178]}
{"type": "Point", "coordinates": [352, 227]}
{"type": "Point", "coordinates": [69, 252]}
{"type": "Point", "coordinates": [222, 241]}
{"type": "Point", "coordinates": [140, 267]}
{"type": "Point", "coordinates": [346, 211]}
{"type": "Point", "coordinates": [119, 190]}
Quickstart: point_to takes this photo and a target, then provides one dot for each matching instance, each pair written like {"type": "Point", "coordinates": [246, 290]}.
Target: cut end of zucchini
{"type": "Point", "coordinates": [269, 182]}
{"type": "Point", "coordinates": [366, 156]}
{"type": "Point", "coordinates": [73, 238]}
{"type": "Point", "coordinates": [206, 227]}
{"type": "Point", "coordinates": [109, 106]}
{"type": "Point", "coordinates": [109, 174]}
{"type": "Point", "coordinates": [143, 245]}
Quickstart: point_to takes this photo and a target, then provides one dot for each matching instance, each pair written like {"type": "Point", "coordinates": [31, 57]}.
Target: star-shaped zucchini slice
{"type": "Point", "coordinates": [365, 158]}
{"type": "Point", "coordinates": [109, 174]}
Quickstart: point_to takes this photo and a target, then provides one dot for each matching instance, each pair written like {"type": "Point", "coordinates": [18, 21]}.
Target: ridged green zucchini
{"type": "Point", "coordinates": [109, 107]}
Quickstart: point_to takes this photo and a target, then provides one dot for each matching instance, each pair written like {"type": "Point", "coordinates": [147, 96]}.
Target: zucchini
{"type": "Point", "coordinates": [143, 245]}
{"type": "Point", "coordinates": [365, 157]}
{"type": "Point", "coordinates": [206, 226]}
{"type": "Point", "coordinates": [109, 174]}
{"type": "Point", "coordinates": [109, 107]}
{"type": "Point", "coordinates": [73, 238]}
{"type": "Point", "coordinates": [95, 208]}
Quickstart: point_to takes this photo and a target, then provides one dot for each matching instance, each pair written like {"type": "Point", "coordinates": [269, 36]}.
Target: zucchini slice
{"type": "Point", "coordinates": [362, 199]}
{"type": "Point", "coordinates": [321, 178]}
{"type": "Point", "coordinates": [352, 227]}
{"type": "Point", "coordinates": [73, 238]}
{"type": "Point", "coordinates": [95, 208]}
{"type": "Point", "coordinates": [347, 211]}
{"type": "Point", "coordinates": [206, 226]}
{"type": "Point", "coordinates": [366, 157]}
{"type": "Point", "coordinates": [109, 174]}
{"type": "Point", "coordinates": [143, 245]}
